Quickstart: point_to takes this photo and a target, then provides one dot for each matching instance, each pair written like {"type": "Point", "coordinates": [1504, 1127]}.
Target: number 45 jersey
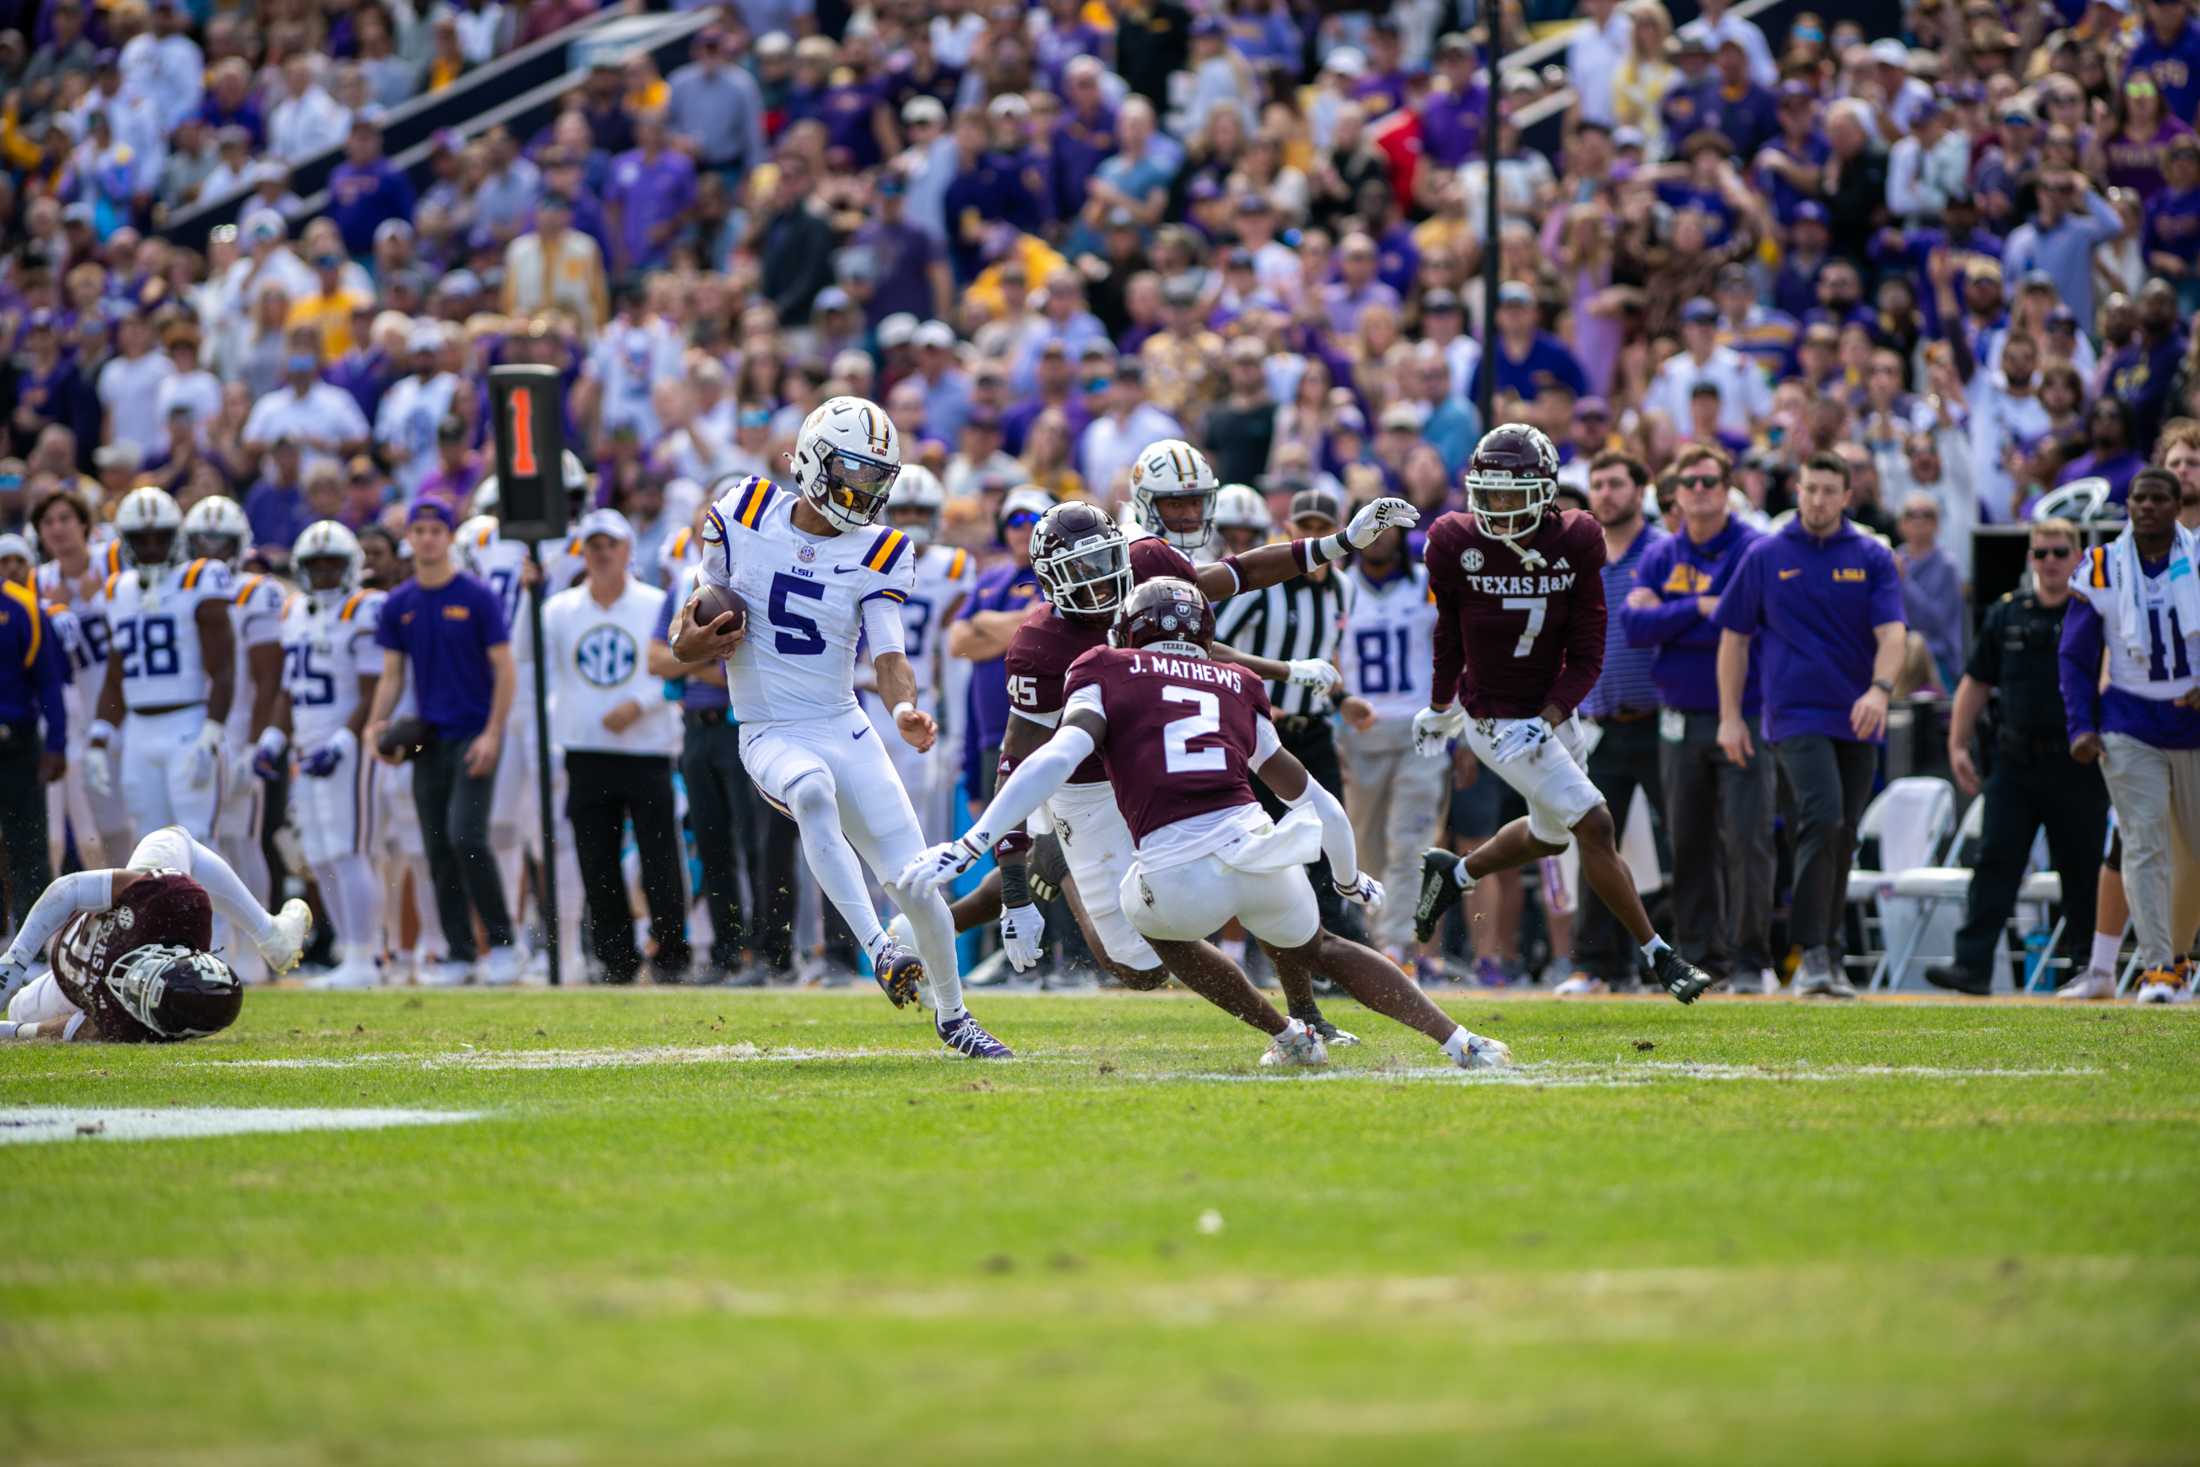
{"type": "Point", "coordinates": [805, 595]}
{"type": "Point", "coordinates": [1514, 637]}
{"type": "Point", "coordinates": [324, 653]}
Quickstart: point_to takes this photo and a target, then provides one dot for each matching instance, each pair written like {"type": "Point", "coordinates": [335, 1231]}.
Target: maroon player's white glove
{"type": "Point", "coordinates": [1377, 517]}
{"type": "Point", "coordinates": [1435, 728]}
{"type": "Point", "coordinates": [1519, 738]}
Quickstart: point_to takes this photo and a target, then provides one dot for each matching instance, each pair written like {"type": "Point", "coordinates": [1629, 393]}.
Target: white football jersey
{"type": "Point", "coordinates": [154, 630]}
{"type": "Point", "coordinates": [498, 562]}
{"type": "Point", "coordinates": [944, 576]}
{"type": "Point", "coordinates": [256, 612]}
{"type": "Point", "coordinates": [79, 621]}
{"type": "Point", "coordinates": [325, 653]}
{"type": "Point", "coordinates": [681, 550]}
{"type": "Point", "coordinates": [1389, 640]}
{"type": "Point", "coordinates": [2164, 666]}
{"type": "Point", "coordinates": [805, 595]}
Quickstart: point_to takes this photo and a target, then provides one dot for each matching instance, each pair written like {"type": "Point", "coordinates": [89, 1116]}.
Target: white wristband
{"type": "Point", "coordinates": [102, 732]}
{"type": "Point", "coordinates": [904, 706]}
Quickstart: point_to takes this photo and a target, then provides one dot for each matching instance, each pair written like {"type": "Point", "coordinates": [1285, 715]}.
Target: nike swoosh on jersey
{"type": "Point", "coordinates": [842, 570]}
{"type": "Point", "coordinates": [859, 733]}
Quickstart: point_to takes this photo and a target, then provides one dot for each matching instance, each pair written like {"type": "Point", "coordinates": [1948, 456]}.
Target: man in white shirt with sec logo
{"type": "Point", "coordinates": [619, 733]}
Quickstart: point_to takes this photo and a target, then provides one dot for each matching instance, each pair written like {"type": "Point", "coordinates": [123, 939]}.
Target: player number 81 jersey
{"type": "Point", "coordinates": [152, 625]}
{"type": "Point", "coordinates": [805, 595]}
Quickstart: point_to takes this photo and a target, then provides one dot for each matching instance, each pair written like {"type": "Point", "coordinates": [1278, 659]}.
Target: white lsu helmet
{"type": "Point", "coordinates": [1173, 469]}
{"type": "Point", "coordinates": [1240, 507]}
{"type": "Point", "coordinates": [476, 535]}
{"type": "Point", "coordinates": [143, 514]}
{"type": "Point", "coordinates": [845, 461]}
{"type": "Point", "coordinates": [327, 540]}
{"type": "Point", "coordinates": [216, 528]}
{"type": "Point", "coordinates": [917, 487]}
{"type": "Point", "coordinates": [489, 498]}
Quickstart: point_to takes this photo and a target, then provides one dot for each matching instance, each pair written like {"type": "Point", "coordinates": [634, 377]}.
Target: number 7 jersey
{"type": "Point", "coordinates": [805, 595]}
{"type": "Point", "coordinates": [1510, 637]}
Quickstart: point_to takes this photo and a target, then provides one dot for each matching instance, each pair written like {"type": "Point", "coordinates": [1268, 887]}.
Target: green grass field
{"type": "Point", "coordinates": [708, 1226]}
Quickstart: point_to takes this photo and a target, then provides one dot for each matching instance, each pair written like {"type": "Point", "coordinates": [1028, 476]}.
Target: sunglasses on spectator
{"type": "Point", "coordinates": [1698, 481]}
{"type": "Point", "coordinates": [2051, 552]}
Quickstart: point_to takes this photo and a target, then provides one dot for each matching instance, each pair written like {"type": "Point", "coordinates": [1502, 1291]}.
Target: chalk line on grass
{"type": "Point", "coordinates": [23, 1125]}
{"type": "Point", "coordinates": [567, 1059]}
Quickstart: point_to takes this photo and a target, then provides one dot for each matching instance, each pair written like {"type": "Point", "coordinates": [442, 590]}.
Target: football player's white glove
{"type": "Point", "coordinates": [1520, 738]}
{"type": "Point", "coordinates": [1364, 889]}
{"type": "Point", "coordinates": [1433, 728]}
{"type": "Point", "coordinates": [1023, 932]}
{"type": "Point", "coordinates": [13, 975]}
{"type": "Point", "coordinates": [934, 868]}
{"type": "Point", "coordinates": [1377, 517]}
{"type": "Point", "coordinates": [205, 756]}
{"type": "Point", "coordinates": [99, 770]}
{"type": "Point", "coordinates": [1317, 673]}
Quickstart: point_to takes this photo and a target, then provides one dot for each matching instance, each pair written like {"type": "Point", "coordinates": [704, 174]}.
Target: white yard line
{"type": "Point", "coordinates": [567, 1059]}
{"type": "Point", "coordinates": [1574, 1074]}
{"type": "Point", "coordinates": [23, 1125]}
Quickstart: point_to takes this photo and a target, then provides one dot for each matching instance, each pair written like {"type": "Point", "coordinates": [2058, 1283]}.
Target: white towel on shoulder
{"type": "Point", "coordinates": [2124, 577]}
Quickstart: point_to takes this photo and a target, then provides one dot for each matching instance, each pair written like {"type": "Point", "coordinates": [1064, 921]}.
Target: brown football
{"type": "Point", "coordinates": [713, 602]}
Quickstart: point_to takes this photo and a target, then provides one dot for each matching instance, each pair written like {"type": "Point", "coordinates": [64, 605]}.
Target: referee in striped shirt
{"type": "Point", "coordinates": [1623, 705]}
{"type": "Point", "coordinates": [1302, 617]}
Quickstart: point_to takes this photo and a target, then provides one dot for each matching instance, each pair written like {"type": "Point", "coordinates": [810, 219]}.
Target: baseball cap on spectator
{"type": "Point", "coordinates": [458, 283]}
{"type": "Point", "coordinates": [1400, 417]}
{"type": "Point", "coordinates": [18, 546]}
{"type": "Point", "coordinates": [936, 334]}
{"type": "Point", "coordinates": [897, 330]}
{"type": "Point", "coordinates": [1250, 202]}
{"type": "Point", "coordinates": [1700, 312]}
{"type": "Point", "coordinates": [1628, 138]}
{"type": "Point", "coordinates": [831, 298]}
{"type": "Point", "coordinates": [1122, 218]}
{"type": "Point", "coordinates": [1248, 349]}
{"type": "Point", "coordinates": [1096, 350]}
{"type": "Point", "coordinates": [451, 430]}
{"type": "Point", "coordinates": [1983, 267]}
{"type": "Point", "coordinates": [1514, 293]}
{"type": "Point", "coordinates": [263, 226]}
{"type": "Point", "coordinates": [1452, 45]}
{"type": "Point", "coordinates": [2018, 114]}
{"type": "Point", "coordinates": [1345, 61]}
{"type": "Point", "coordinates": [1888, 51]}
{"type": "Point", "coordinates": [1008, 104]}
{"type": "Point", "coordinates": [1440, 299]}
{"type": "Point", "coordinates": [425, 337]}
{"type": "Point", "coordinates": [1180, 290]}
{"type": "Point", "coordinates": [123, 454]}
{"type": "Point", "coordinates": [1350, 420]}
{"type": "Point", "coordinates": [1794, 89]}
{"type": "Point", "coordinates": [774, 44]}
{"type": "Point", "coordinates": [1590, 409]}
{"type": "Point", "coordinates": [429, 507]}
{"type": "Point", "coordinates": [2062, 318]}
{"type": "Point", "coordinates": [1023, 506]}
{"type": "Point", "coordinates": [392, 229]}
{"type": "Point", "coordinates": [1810, 211]}
{"type": "Point", "coordinates": [606, 521]}
{"type": "Point", "coordinates": [923, 109]}
{"type": "Point", "coordinates": [1318, 504]}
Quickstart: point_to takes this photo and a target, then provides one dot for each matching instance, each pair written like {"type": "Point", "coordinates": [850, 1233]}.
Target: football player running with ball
{"type": "Point", "coordinates": [1520, 641]}
{"type": "Point", "coordinates": [1179, 736]}
{"type": "Point", "coordinates": [817, 573]}
{"type": "Point", "coordinates": [130, 959]}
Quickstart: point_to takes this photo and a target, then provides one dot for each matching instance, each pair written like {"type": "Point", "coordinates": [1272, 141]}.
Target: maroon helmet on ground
{"type": "Point", "coordinates": [1165, 610]}
{"type": "Point", "coordinates": [176, 992]}
{"type": "Point", "coordinates": [1511, 481]}
{"type": "Point", "coordinates": [1083, 562]}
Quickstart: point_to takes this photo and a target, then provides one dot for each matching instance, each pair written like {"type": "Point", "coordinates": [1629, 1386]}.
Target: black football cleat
{"type": "Point", "coordinates": [1958, 979]}
{"type": "Point", "coordinates": [900, 972]}
{"type": "Point", "coordinates": [1438, 891]}
{"type": "Point", "coordinates": [1679, 977]}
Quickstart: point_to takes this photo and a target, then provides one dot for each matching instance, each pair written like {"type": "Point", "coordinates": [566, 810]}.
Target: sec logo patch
{"type": "Point", "coordinates": [1470, 561]}
{"type": "Point", "coordinates": [606, 657]}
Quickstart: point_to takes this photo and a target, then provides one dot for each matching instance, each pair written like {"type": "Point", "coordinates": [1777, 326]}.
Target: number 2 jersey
{"type": "Point", "coordinates": [805, 594]}
{"type": "Point", "coordinates": [1511, 637]}
{"type": "Point", "coordinates": [327, 648]}
{"type": "Point", "coordinates": [152, 625]}
{"type": "Point", "coordinates": [1184, 736]}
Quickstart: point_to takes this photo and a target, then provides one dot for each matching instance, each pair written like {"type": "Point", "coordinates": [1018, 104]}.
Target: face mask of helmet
{"type": "Point", "coordinates": [857, 486]}
{"type": "Point", "coordinates": [176, 992]}
{"type": "Point", "coordinates": [1090, 579]}
{"type": "Point", "coordinates": [150, 547]}
{"type": "Point", "coordinates": [1506, 507]}
{"type": "Point", "coordinates": [206, 545]}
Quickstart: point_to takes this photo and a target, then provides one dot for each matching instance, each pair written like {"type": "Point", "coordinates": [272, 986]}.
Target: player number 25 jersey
{"type": "Point", "coordinates": [324, 655]}
{"type": "Point", "coordinates": [805, 595]}
{"type": "Point", "coordinates": [152, 625]}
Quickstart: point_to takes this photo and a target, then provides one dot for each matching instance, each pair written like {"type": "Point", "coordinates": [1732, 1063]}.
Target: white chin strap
{"type": "Point", "coordinates": [1529, 555]}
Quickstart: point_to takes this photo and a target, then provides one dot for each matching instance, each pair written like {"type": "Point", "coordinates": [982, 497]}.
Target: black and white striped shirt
{"type": "Point", "coordinates": [1302, 617]}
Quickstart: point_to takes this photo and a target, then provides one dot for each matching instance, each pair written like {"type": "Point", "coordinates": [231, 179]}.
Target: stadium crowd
{"type": "Point", "coordinates": [1937, 279]}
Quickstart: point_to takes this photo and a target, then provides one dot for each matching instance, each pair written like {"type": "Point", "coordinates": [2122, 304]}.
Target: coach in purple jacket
{"type": "Point", "coordinates": [1717, 813]}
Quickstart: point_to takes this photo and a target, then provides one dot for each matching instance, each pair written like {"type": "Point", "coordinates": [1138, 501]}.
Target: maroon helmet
{"type": "Point", "coordinates": [1511, 481]}
{"type": "Point", "coordinates": [177, 992]}
{"type": "Point", "coordinates": [1083, 562]}
{"type": "Point", "coordinates": [1164, 609]}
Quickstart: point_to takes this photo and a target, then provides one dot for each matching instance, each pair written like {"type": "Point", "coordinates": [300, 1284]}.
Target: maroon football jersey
{"type": "Point", "coordinates": [1153, 557]}
{"type": "Point", "coordinates": [1512, 640]}
{"type": "Point", "coordinates": [1181, 732]}
{"type": "Point", "coordinates": [1038, 663]}
{"type": "Point", "coordinates": [159, 907]}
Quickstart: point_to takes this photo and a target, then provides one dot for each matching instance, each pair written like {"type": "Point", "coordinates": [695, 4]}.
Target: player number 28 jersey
{"type": "Point", "coordinates": [805, 595]}
{"type": "Point", "coordinates": [324, 655]}
{"type": "Point", "coordinates": [152, 625]}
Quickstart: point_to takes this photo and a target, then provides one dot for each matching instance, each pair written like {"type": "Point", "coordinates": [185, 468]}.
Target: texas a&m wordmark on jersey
{"type": "Point", "coordinates": [805, 595]}
{"type": "Point", "coordinates": [152, 625]}
{"type": "Point", "coordinates": [1182, 731]}
{"type": "Point", "coordinates": [1512, 639]}
{"type": "Point", "coordinates": [157, 908]}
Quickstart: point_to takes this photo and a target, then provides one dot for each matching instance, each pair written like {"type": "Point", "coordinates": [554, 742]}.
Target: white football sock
{"type": "Point", "coordinates": [1653, 947]}
{"type": "Point", "coordinates": [2107, 946]}
{"type": "Point", "coordinates": [935, 930]}
{"type": "Point", "coordinates": [1456, 1046]}
{"type": "Point", "coordinates": [1459, 876]}
{"type": "Point", "coordinates": [233, 901]}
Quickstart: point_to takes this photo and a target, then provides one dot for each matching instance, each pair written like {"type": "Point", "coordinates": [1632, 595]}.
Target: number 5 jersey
{"type": "Point", "coordinates": [805, 595]}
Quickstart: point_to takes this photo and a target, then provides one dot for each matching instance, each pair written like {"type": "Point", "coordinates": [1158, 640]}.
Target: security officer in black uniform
{"type": "Point", "coordinates": [2033, 780]}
